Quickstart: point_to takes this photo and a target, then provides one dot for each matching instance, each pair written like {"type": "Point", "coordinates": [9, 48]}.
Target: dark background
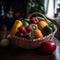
{"type": "Point", "coordinates": [18, 8]}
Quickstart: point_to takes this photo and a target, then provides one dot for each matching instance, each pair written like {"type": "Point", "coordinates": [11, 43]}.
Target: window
{"type": "Point", "coordinates": [52, 7]}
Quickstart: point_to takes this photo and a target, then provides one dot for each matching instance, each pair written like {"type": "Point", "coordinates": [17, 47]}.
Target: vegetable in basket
{"type": "Point", "coordinates": [45, 27]}
{"type": "Point", "coordinates": [15, 27]}
{"type": "Point", "coordinates": [52, 26]}
{"type": "Point", "coordinates": [47, 30]}
{"type": "Point", "coordinates": [42, 24]}
{"type": "Point", "coordinates": [34, 34]}
{"type": "Point", "coordinates": [40, 18]}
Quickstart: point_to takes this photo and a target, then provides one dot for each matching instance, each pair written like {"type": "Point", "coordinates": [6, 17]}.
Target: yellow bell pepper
{"type": "Point", "coordinates": [15, 27]}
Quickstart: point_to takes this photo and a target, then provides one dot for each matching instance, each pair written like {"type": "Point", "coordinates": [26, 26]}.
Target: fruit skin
{"type": "Point", "coordinates": [29, 28]}
{"type": "Point", "coordinates": [4, 42]}
{"type": "Point", "coordinates": [38, 33]}
{"type": "Point", "coordinates": [21, 35]}
{"type": "Point", "coordinates": [48, 46]}
{"type": "Point", "coordinates": [47, 30]}
{"type": "Point", "coordinates": [27, 20]}
{"type": "Point", "coordinates": [25, 23]}
{"type": "Point", "coordinates": [34, 26]}
{"type": "Point", "coordinates": [52, 26]}
{"type": "Point", "coordinates": [31, 35]}
{"type": "Point", "coordinates": [15, 27]}
{"type": "Point", "coordinates": [40, 18]}
{"type": "Point", "coordinates": [42, 24]}
{"type": "Point", "coordinates": [23, 30]}
{"type": "Point", "coordinates": [34, 20]}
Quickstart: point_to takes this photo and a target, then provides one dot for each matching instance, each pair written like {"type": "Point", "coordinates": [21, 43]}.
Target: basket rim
{"type": "Point", "coordinates": [36, 39]}
{"type": "Point", "coordinates": [37, 13]}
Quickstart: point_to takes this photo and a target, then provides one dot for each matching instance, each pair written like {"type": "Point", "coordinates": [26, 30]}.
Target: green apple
{"type": "Point", "coordinates": [25, 23]}
{"type": "Point", "coordinates": [4, 42]}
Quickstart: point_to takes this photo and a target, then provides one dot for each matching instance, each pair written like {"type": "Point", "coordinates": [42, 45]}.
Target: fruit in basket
{"type": "Point", "coordinates": [34, 26]}
{"type": "Point", "coordinates": [51, 25]}
{"type": "Point", "coordinates": [48, 46]}
{"type": "Point", "coordinates": [31, 35]}
{"type": "Point", "coordinates": [39, 30]}
{"type": "Point", "coordinates": [47, 30]}
{"type": "Point", "coordinates": [23, 29]}
{"type": "Point", "coordinates": [29, 28]}
{"type": "Point", "coordinates": [37, 25]}
{"type": "Point", "coordinates": [25, 23]}
{"type": "Point", "coordinates": [38, 33]}
{"type": "Point", "coordinates": [40, 18]}
{"type": "Point", "coordinates": [20, 35]}
{"type": "Point", "coordinates": [42, 24]}
{"type": "Point", "coordinates": [34, 20]}
{"type": "Point", "coordinates": [27, 20]}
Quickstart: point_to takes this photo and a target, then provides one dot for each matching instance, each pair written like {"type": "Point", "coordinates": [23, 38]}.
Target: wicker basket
{"type": "Point", "coordinates": [33, 43]}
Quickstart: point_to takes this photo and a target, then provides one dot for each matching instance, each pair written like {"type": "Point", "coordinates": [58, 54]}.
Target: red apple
{"type": "Point", "coordinates": [23, 30]}
{"type": "Point", "coordinates": [29, 28]}
{"type": "Point", "coordinates": [34, 20]}
{"type": "Point", "coordinates": [21, 35]}
{"type": "Point", "coordinates": [48, 46]}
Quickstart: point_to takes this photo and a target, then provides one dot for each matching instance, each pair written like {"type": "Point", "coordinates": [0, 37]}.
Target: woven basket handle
{"type": "Point", "coordinates": [37, 13]}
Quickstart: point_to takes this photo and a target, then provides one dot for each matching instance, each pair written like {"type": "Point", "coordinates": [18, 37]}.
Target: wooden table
{"type": "Point", "coordinates": [14, 53]}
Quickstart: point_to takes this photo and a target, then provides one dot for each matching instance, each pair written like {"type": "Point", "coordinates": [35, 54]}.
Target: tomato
{"type": "Point", "coordinates": [48, 46]}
